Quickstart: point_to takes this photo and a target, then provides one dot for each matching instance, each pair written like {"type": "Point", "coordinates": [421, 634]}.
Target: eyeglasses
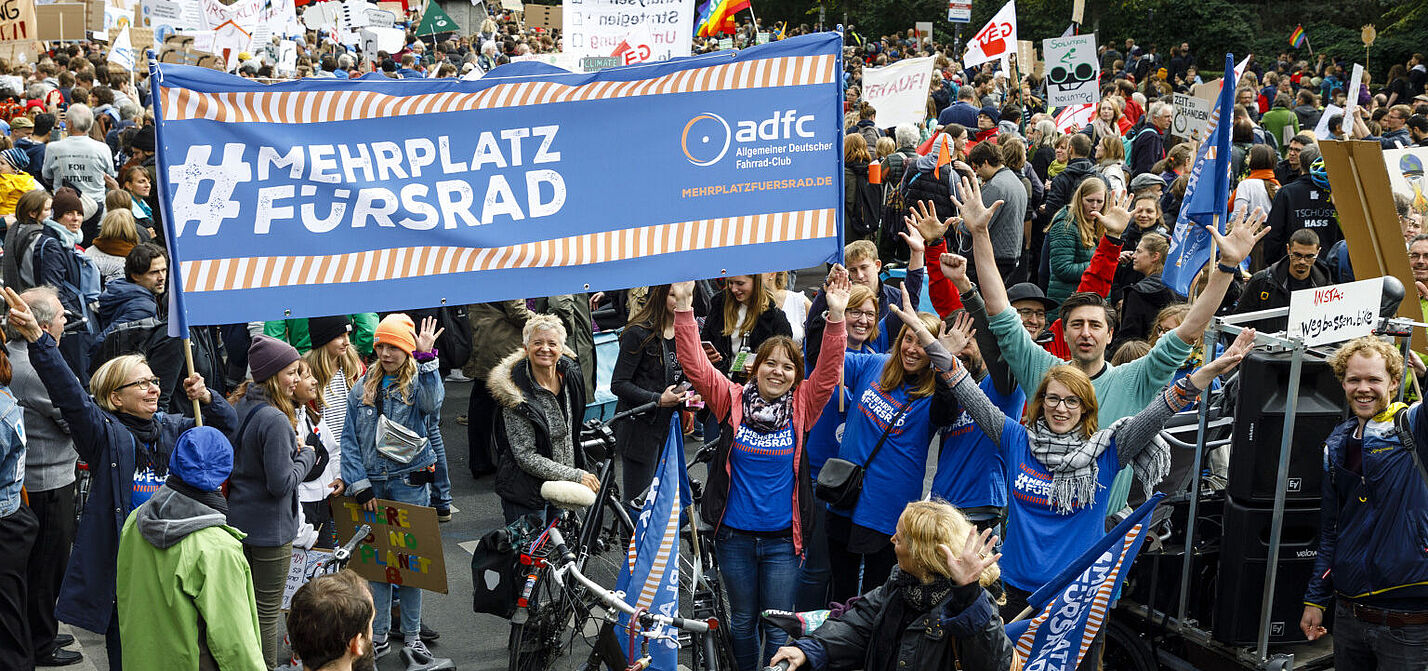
{"type": "Point", "coordinates": [143, 384]}
{"type": "Point", "coordinates": [1068, 402]}
{"type": "Point", "coordinates": [1028, 313]}
{"type": "Point", "coordinates": [858, 315]}
{"type": "Point", "coordinates": [1302, 257]}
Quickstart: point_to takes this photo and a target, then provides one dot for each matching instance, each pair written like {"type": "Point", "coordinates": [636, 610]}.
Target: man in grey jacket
{"type": "Point", "coordinates": [1001, 183]}
{"type": "Point", "coordinates": [50, 481]}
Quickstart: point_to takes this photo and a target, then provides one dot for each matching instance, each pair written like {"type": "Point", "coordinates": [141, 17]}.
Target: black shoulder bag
{"type": "Point", "coordinates": [840, 482]}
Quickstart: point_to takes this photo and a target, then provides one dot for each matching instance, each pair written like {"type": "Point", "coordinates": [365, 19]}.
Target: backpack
{"type": "Point", "coordinates": [866, 211]}
{"type": "Point", "coordinates": [19, 265]}
{"type": "Point", "coordinates": [1128, 142]}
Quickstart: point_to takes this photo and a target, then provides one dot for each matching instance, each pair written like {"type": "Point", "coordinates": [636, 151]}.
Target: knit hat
{"type": "Point", "coordinates": [202, 458]}
{"type": "Point", "coordinates": [65, 200]}
{"type": "Point", "coordinates": [991, 113]}
{"type": "Point", "coordinates": [398, 331]}
{"type": "Point", "coordinates": [17, 158]}
{"type": "Point", "coordinates": [323, 330]}
{"type": "Point", "coordinates": [143, 139]}
{"type": "Point", "coordinates": [268, 355]}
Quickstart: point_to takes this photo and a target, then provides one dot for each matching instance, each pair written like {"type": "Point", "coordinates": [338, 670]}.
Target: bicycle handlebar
{"type": "Point", "coordinates": [781, 666]}
{"type": "Point", "coordinates": [609, 597]}
{"type": "Point", "coordinates": [344, 553]}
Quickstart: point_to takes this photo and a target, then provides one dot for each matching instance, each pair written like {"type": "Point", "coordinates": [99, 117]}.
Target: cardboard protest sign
{"type": "Point", "coordinates": [404, 547]}
{"type": "Point", "coordinates": [1360, 180]}
{"type": "Point", "coordinates": [300, 570]}
{"type": "Point", "coordinates": [17, 21]}
{"type": "Point", "coordinates": [180, 49]}
{"type": "Point", "coordinates": [597, 27]}
{"type": "Point", "coordinates": [61, 21]}
{"type": "Point", "coordinates": [899, 91]}
{"type": "Point", "coordinates": [546, 17]}
{"type": "Point", "coordinates": [1073, 70]}
{"type": "Point", "coordinates": [1335, 313]}
{"type": "Point", "coordinates": [1192, 117]}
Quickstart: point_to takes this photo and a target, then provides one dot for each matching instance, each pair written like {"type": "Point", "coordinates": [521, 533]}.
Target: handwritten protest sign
{"type": "Point", "coordinates": [1335, 313]}
{"type": "Point", "coordinates": [899, 92]}
{"type": "Point", "coordinates": [597, 27]}
{"type": "Point", "coordinates": [404, 547]}
{"type": "Point", "coordinates": [17, 20]}
{"type": "Point", "coordinates": [1192, 117]}
{"type": "Point", "coordinates": [302, 565]}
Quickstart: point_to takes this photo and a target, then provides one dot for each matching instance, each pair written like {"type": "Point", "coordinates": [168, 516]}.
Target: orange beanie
{"type": "Point", "coordinates": [398, 331]}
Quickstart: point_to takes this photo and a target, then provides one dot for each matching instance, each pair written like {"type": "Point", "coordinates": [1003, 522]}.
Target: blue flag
{"type": "Point", "coordinates": [650, 578]}
{"type": "Point", "coordinates": [178, 312]}
{"type": "Point", "coordinates": [1069, 610]}
{"type": "Point", "coordinates": [1207, 194]}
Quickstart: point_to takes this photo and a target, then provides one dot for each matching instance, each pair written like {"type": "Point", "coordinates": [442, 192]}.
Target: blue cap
{"type": "Point", "coordinates": [202, 458]}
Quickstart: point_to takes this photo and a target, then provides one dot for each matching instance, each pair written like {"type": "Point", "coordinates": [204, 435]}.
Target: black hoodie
{"type": "Point", "coordinates": [1064, 184]}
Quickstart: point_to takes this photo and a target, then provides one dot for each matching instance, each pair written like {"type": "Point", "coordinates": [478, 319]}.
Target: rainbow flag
{"type": "Point", "coordinates": [1298, 37]}
{"type": "Point", "coordinates": [716, 17]}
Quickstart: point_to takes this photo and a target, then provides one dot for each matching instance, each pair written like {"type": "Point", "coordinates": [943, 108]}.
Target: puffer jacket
{"type": "Point", "coordinates": [361, 462]}
{"type": "Point", "coordinates": [513, 387]}
{"type": "Point", "coordinates": [962, 631]}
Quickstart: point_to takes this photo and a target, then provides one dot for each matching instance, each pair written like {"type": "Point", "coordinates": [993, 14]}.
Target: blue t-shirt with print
{"type": "Point", "coordinates": [761, 481]}
{"type": "Point", "coordinates": [146, 482]}
{"type": "Point", "coordinates": [1041, 541]}
{"type": "Point", "coordinates": [895, 477]}
{"type": "Point", "coordinates": [970, 469]}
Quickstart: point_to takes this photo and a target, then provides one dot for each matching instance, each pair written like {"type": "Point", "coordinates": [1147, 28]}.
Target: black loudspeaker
{"type": "Point", "coordinates": [1259, 427]}
{"type": "Point", "coordinates": [1244, 553]}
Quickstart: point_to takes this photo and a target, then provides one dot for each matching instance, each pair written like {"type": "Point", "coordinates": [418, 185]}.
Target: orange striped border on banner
{"type": "Point", "coordinates": [1098, 607]}
{"type": "Point", "coordinates": [262, 272]}
{"type": "Point", "coordinates": [349, 105]}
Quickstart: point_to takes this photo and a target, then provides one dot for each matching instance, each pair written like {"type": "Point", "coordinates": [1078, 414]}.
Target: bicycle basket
{"type": "Point", "coordinates": [496, 571]}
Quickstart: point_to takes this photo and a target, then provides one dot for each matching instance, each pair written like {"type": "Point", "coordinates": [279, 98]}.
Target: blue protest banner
{"type": "Point", "coordinates": [323, 196]}
{"type": "Point", "coordinates": [1207, 194]}
{"type": "Point", "coordinates": [1070, 609]}
{"type": "Point", "coordinates": [650, 579]}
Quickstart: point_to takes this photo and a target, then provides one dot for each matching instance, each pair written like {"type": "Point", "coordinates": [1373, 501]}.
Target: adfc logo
{"type": "Point", "coordinates": [705, 139]}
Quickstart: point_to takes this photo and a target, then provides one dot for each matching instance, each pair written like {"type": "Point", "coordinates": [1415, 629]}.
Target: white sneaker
{"type": "Point", "coordinates": [417, 657]}
{"type": "Point", "coordinates": [457, 376]}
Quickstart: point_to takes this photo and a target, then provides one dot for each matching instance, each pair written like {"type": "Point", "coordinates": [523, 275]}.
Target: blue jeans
{"type": "Point", "coordinates": [814, 576]}
{"type": "Point", "coordinates": [397, 490]}
{"type": "Point", "coordinates": [441, 488]}
{"type": "Point", "coordinates": [759, 574]}
{"type": "Point", "coordinates": [1360, 646]}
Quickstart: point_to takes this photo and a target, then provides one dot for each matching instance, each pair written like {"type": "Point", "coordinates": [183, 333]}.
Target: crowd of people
{"type": "Point", "coordinates": [994, 434]}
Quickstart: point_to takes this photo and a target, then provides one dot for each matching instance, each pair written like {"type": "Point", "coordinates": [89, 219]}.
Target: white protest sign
{"type": "Point", "coordinates": [301, 564]}
{"type": "Point", "coordinates": [996, 40]}
{"type": "Point", "coordinates": [1192, 117]}
{"type": "Point", "coordinates": [924, 30]}
{"type": "Point", "coordinates": [376, 39]}
{"type": "Point", "coordinates": [959, 11]}
{"type": "Point", "coordinates": [1351, 103]}
{"type": "Point", "coordinates": [513, 5]}
{"type": "Point", "coordinates": [899, 92]}
{"type": "Point", "coordinates": [322, 15]}
{"type": "Point", "coordinates": [287, 57]}
{"type": "Point", "coordinates": [1073, 71]}
{"type": "Point", "coordinates": [354, 12]}
{"type": "Point", "coordinates": [1321, 131]}
{"type": "Point", "coordinates": [1071, 119]}
{"type": "Point", "coordinates": [598, 27]}
{"type": "Point", "coordinates": [380, 18]}
{"type": "Point", "coordinates": [1335, 313]}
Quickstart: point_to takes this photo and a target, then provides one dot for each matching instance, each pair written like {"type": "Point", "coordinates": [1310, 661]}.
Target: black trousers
{"type": "Point", "coordinates": [480, 415]}
{"type": "Point", "coordinates": [17, 535]}
{"type": "Point", "coordinates": [54, 513]}
{"type": "Point", "coordinates": [854, 573]}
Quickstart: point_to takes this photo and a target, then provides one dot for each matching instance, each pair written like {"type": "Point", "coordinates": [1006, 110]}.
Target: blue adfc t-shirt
{"type": "Point", "coordinates": [761, 471]}
{"type": "Point", "coordinates": [1041, 542]}
{"type": "Point", "coordinates": [970, 469]}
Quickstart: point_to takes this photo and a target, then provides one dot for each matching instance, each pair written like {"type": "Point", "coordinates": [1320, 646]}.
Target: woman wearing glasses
{"type": "Point", "coordinates": [126, 442]}
{"type": "Point", "coordinates": [1068, 460]}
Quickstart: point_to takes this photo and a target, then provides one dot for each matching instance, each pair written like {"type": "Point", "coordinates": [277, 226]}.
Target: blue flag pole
{"type": "Point", "coordinates": [178, 316]}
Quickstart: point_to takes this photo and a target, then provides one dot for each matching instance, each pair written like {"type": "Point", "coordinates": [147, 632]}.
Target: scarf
{"type": "Point", "coordinates": [766, 416]}
{"type": "Point", "coordinates": [1055, 168]}
{"type": "Point", "coordinates": [1072, 462]}
{"type": "Point", "coordinates": [145, 430]}
{"type": "Point", "coordinates": [213, 499]}
{"type": "Point", "coordinates": [112, 247]}
{"type": "Point", "coordinates": [69, 238]}
{"type": "Point", "coordinates": [910, 600]}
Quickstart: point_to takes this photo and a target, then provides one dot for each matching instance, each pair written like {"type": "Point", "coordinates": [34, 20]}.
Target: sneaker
{"type": "Point", "coordinates": [457, 376]}
{"type": "Point", "coordinates": [443, 514]}
{"type": "Point", "coordinates": [417, 658]}
{"type": "Point", "coordinates": [381, 648]}
{"type": "Point", "coordinates": [428, 634]}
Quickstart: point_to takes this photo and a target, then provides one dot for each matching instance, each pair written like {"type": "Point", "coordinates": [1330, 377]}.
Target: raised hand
{"type": "Point", "coordinates": [1226, 362]}
{"type": "Point", "coordinates": [21, 319]}
{"type": "Point", "coordinates": [976, 217]}
{"type": "Point", "coordinates": [956, 337]}
{"type": "Point", "coordinates": [908, 314]}
{"type": "Point", "coordinates": [836, 291]}
{"type": "Point", "coordinates": [426, 337]}
{"type": "Point", "coordinates": [977, 554]}
{"type": "Point", "coordinates": [924, 220]}
{"type": "Point", "coordinates": [915, 244]}
{"type": "Point", "coordinates": [954, 268]}
{"type": "Point", "coordinates": [683, 293]}
{"type": "Point", "coordinates": [1116, 216]}
{"type": "Point", "coordinates": [1241, 241]}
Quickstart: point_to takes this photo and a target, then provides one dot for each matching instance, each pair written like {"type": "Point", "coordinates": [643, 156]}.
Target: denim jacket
{"type": "Point", "coordinates": [361, 463]}
{"type": "Point", "coordinates": [12, 452]}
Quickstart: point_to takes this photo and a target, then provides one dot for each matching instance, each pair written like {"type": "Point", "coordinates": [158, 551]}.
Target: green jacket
{"type": "Point", "coordinates": [182, 572]}
{"type": "Point", "coordinates": [1069, 258]}
{"type": "Point", "coordinates": [1275, 121]}
{"type": "Point", "coordinates": [294, 332]}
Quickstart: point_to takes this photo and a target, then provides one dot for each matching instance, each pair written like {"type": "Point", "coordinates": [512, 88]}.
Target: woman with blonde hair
{"type": "Point", "coordinates": [336, 367]}
{"type": "Point", "coordinates": [1066, 453]}
{"type": "Point", "coordinates": [1072, 238]}
{"type": "Point", "coordinates": [1110, 162]}
{"type": "Point", "coordinates": [943, 569]}
{"type": "Point", "coordinates": [741, 318]}
{"type": "Point", "coordinates": [117, 237]}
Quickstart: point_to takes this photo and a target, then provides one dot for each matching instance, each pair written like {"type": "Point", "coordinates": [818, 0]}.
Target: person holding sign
{"type": "Point", "coordinates": [126, 441]}
{"type": "Point", "coordinates": [389, 443]}
{"type": "Point", "coordinates": [1372, 536]}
